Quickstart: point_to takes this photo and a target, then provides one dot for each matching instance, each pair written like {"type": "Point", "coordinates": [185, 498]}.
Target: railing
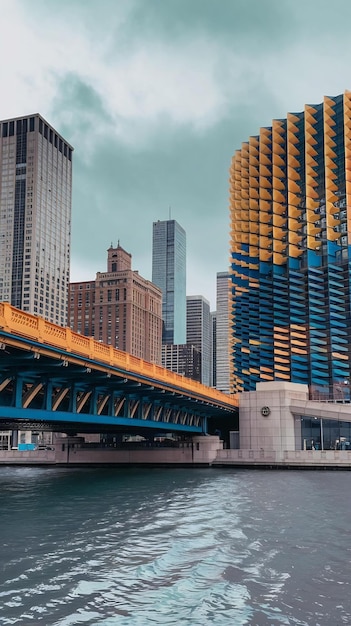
{"type": "Point", "coordinates": [18, 322]}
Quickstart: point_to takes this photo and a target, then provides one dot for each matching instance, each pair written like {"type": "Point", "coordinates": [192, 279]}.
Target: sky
{"type": "Point", "coordinates": [156, 96]}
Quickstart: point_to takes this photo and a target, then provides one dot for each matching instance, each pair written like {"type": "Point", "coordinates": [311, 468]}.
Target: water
{"type": "Point", "coordinates": [139, 547]}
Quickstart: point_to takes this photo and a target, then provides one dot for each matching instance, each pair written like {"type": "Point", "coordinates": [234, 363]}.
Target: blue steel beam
{"type": "Point", "coordinates": [80, 419]}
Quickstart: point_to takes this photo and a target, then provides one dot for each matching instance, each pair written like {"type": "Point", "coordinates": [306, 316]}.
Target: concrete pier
{"type": "Point", "coordinates": [202, 450]}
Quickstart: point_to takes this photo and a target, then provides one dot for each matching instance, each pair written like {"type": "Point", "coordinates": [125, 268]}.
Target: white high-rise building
{"type": "Point", "coordinates": [198, 332]}
{"type": "Point", "coordinates": [222, 333]}
{"type": "Point", "coordinates": [35, 217]}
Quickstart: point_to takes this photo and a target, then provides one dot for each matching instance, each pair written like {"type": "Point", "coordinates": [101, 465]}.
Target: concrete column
{"type": "Point", "coordinates": [205, 448]}
{"type": "Point", "coordinates": [14, 443]}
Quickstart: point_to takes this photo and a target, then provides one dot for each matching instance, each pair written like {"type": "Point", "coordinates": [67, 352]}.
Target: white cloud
{"type": "Point", "coordinates": [83, 270]}
{"type": "Point", "coordinates": [137, 85]}
{"type": "Point", "coordinates": [308, 72]}
{"type": "Point", "coordinates": [163, 80]}
{"type": "Point", "coordinates": [193, 84]}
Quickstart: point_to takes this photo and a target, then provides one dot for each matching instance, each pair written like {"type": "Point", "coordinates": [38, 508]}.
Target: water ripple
{"type": "Point", "coordinates": [176, 547]}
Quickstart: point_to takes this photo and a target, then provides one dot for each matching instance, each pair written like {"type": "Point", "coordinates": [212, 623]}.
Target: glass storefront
{"type": "Point", "coordinates": [313, 433]}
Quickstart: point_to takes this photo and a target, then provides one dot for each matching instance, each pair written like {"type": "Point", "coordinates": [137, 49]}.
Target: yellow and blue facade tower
{"type": "Point", "coordinates": [290, 197]}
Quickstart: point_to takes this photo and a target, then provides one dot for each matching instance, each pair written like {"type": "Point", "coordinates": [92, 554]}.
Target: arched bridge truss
{"type": "Point", "coordinates": [44, 386]}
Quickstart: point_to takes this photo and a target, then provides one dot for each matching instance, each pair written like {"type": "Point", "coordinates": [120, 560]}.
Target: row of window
{"type": "Point", "coordinates": [18, 127]}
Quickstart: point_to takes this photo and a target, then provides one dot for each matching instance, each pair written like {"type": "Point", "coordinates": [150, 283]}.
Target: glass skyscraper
{"type": "Point", "coordinates": [169, 274]}
{"type": "Point", "coordinates": [290, 251]}
{"type": "Point", "coordinates": [35, 217]}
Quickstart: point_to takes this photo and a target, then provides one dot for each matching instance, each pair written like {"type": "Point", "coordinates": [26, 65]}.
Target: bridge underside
{"type": "Point", "coordinates": [49, 389]}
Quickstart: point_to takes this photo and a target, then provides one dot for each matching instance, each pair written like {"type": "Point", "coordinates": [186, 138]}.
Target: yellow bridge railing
{"type": "Point", "coordinates": [18, 322]}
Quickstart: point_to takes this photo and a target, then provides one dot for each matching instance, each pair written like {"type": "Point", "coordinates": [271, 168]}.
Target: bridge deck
{"type": "Point", "coordinates": [51, 373]}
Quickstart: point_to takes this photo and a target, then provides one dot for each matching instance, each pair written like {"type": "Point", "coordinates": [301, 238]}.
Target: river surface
{"type": "Point", "coordinates": [140, 547]}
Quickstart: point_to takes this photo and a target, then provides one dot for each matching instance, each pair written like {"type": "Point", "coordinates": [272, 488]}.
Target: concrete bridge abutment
{"type": "Point", "coordinates": [265, 417]}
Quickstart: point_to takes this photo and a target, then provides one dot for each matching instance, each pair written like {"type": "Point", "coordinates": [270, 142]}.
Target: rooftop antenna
{"type": "Point", "coordinates": [170, 212]}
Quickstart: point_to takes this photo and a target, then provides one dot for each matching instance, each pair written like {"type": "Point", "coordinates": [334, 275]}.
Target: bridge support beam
{"type": "Point", "coordinates": [18, 391]}
{"type": "Point", "coordinates": [48, 395]}
{"type": "Point", "coordinates": [14, 437]}
{"type": "Point", "coordinates": [204, 425]}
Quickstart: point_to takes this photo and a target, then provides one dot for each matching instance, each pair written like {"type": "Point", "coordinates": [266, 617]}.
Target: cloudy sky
{"type": "Point", "coordinates": [155, 96]}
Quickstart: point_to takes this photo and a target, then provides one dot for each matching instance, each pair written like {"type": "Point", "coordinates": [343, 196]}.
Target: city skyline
{"type": "Point", "coordinates": [155, 97]}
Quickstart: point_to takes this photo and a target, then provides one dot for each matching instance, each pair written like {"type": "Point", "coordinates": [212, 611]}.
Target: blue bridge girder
{"type": "Point", "coordinates": [47, 388]}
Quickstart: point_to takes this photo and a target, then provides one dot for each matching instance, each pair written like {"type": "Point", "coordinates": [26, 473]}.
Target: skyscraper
{"type": "Point", "coordinates": [35, 217]}
{"type": "Point", "coordinates": [222, 333]}
{"type": "Point", "coordinates": [119, 308]}
{"type": "Point", "coordinates": [169, 274]}
{"type": "Point", "coordinates": [290, 251]}
{"type": "Point", "coordinates": [213, 347]}
{"type": "Point", "coordinates": [198, 332]}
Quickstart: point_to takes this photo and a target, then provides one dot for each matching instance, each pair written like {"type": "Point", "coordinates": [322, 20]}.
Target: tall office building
{"type": "Point", "coordinates": [119, 308]}
{"type": "Point", "coordinates": [290, 248]}
{"type": "Point", "coordinates": [169, 274]}
{"type": "Point", "coordinates": [213, 344]}
{"type": "Point", "coordinates": [198, 332]}
{"type": "Point", "coordinates": [35, 217]}
{"type": "Point", "coordinates": [222, 333]}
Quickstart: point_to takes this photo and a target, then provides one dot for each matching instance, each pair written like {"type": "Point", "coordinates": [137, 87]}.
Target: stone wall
{"type": "Point", "coordinates": [201, 451]}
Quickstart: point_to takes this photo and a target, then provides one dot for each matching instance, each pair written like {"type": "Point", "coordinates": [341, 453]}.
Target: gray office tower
{"type": "Point", "coordinates": [198, 332]}
{"type": "Point", "coordinates": [35, 217]}
{"type": "Point", "coordinates": [222, 333]}
{"type": "Point", "coordinates": [169, 274]}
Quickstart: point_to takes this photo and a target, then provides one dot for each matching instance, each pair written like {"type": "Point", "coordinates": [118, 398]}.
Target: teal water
{"type": "Point", "coordinates": [140, 547]}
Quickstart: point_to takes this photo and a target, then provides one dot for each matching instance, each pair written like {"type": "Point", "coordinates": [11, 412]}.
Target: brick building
{"type": "Point", "coordinates": [119, 308]}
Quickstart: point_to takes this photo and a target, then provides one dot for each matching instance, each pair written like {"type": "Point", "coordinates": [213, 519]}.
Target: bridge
{"type": "Point", "coordinates": [54, 379]}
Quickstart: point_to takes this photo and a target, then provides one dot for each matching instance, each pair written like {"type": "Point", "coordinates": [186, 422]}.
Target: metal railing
{"type": "Point", "coordinates": [17, 322]}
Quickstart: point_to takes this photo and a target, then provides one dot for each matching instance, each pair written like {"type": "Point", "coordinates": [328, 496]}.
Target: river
{"type": "Point", "coordinates": [140, 547]}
